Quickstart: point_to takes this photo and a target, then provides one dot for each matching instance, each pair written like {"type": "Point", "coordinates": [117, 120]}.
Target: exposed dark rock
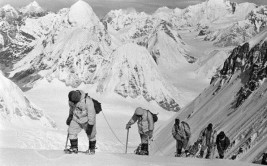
{"type": "Point", "coordinates": [252, 65]}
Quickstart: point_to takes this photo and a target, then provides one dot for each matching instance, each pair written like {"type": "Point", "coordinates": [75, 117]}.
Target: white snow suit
{"type": "Point", "coordinates": [208, 139]}
{"type": "Point", "coordinates": [83, 114]}
{"type": "Point", "coordinates": [145, 124]}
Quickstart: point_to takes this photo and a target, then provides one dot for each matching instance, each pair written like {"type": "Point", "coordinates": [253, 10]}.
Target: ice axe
{"type": "Point", "coordinates": [127, 140]}
{"type": "Point", "coordinates": [66, 143]}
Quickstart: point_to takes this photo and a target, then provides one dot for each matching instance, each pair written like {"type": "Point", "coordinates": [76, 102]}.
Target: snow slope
{"type": "Point", "coordinates": [235, 103]}
{"type": "Point", "coordinates": [17, 110]}
{"type": "Point", "coordinates": [53, 158]}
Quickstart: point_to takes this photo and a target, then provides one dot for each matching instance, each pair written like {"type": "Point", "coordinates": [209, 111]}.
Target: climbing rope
{"type": "Point", "coordinates": [115, 135]}
{"type": "Point", "coordinates": [114, 132]}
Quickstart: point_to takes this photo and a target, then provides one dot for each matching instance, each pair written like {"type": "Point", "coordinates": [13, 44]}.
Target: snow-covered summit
{"type": "Point", "coordinates": [163, 13]}
{"type": "Point", "coordinates": [8, 7]}
{"type": "Point", "coordinates": [9, 11]}
{"type": "Point", "coordinates": [32, 8]}
{"type": "Point", "coordinates": [164, 9]}
{"type": "Point", "coordinates": [81, 14]}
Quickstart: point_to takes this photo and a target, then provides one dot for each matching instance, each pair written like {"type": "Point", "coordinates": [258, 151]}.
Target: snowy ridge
{"type": "Point", "coordinates": [16, 109]}
{"type": "Point", "coordinates": [153, 33]}
{"type": "Point", "coordinates": [235, 103]}
{"type": "Point", "coordinates": [167, 48]}
{"type": "Point", "coordinates": [134, 74]}
{"type": "Point", "coordinates": [119, 19]}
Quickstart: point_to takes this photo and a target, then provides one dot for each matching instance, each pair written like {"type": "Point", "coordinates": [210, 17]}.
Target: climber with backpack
{"type": "Point", "coordinates": [181, 133]}
{"type": "Point", "coordinates": [82, 115]}
{"type": "Point", "coordinates": [222, 142]}
{"type": "Point", "coordinates": [145, 124]}
{"type": "Point", "coordinates": [207, 139]}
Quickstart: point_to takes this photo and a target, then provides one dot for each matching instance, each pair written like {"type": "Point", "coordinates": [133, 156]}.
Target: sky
{"type": "Point", "coordinates": [101, 7]}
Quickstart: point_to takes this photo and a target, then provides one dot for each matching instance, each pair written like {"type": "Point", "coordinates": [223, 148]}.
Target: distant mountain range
{"type": "Point", "coordinates": [74, 45]}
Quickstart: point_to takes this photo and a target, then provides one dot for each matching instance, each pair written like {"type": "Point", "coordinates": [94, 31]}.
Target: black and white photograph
{"type": "Point", "coordinates": [133, 82]}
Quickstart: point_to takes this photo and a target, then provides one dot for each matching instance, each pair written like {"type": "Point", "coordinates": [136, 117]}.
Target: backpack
{"type": "Point", "coordinates": [155, 116]}
{"type": "Point", "coordinates": [186, 128]}
{"type": "Point", "coordinates": [97, 104]}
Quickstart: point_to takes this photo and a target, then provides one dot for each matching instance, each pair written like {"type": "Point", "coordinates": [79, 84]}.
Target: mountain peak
{"type": "Point", "coordinates": [216, 1]}
{"type": "Point", "coordinates": [33, 7]}
{"type": "Point", "coordinates": [8, 7]}
{"type": "Point", "coordinates": [34, 3]}
{"type": "Point", "coordinates": [164, 9]}
{"type": "Point", "coordinates": [82, 14]}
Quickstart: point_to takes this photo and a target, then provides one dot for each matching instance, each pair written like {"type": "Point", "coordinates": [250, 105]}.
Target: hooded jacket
{"type": "Point", "coordinates": [145, 122]}
{"type": "Point", "coordinates": [83, 111]}
{"type": "Point", "coordinates": [207, 137]}
{"type": "Point", "coordinates": [222, 142]}
{"type": "Point", "coordinates": [178, 132]}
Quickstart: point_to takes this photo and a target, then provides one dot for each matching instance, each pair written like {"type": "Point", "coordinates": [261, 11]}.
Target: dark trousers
{"type": "Point", "coordinates": [179, 146]}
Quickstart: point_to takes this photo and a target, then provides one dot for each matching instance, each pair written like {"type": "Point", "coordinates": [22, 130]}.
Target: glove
{"type": "Point", "coordinates": [149, 134]}
{"type": "Point", "coordinates": [69, 120]}
{"type": "Point", "coordinates": [128, 126]}
{"type": "Point", "coordinates": [89, 129]}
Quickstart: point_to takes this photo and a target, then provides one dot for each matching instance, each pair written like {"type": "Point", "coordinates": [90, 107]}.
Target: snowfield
{"type": "Point", "coordinates": [43, 146]}
{"type": "Point", "coordinates": [56, 157]}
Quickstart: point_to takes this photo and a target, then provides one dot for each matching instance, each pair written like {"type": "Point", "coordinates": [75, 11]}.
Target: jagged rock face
{"type": "Point", "coordinates": [16, 108]}
{"type": "Point", "coordinates": [252, 64]}
{"type": "Point", "coordinates": [258, 18]}
{"type": "Point", "coordinates": [19, 36]}
{"type": "Point", "coordinates": [16, 44]}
